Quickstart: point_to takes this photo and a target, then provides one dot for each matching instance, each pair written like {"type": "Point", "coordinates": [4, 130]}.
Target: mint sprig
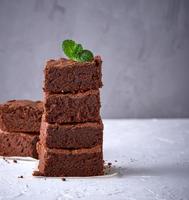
{"type": "Point", "coordinates": [76, 52]}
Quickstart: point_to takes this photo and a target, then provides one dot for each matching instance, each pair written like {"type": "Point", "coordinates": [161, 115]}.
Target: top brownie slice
{"type": "Point", "coordinates": [67, 76]}
{"type": "Point", "coordinates": [21, 116]}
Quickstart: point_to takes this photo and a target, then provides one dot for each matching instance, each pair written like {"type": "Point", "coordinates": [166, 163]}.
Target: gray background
{"type": "Point", "coordinates": [144, 45]}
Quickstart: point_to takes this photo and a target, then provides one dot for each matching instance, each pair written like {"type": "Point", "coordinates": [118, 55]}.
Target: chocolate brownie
{"type": "Point", "coordinates": [21, 116]}
{"type": "Point", "coordinates": [68, 76]}
{"type": "Point", "coordinates": [68, 108]}
{"type": "Point", "coordinates": [71, 136]}
{"type": "Point", "coordinates": [61, 162]}
{"type": "Point", "coordinates": [18, 144]}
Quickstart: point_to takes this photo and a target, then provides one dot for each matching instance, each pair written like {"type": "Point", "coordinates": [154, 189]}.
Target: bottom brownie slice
{"type": "Point", "coordinates": [18, 144]}
{"type": "Point", "coordinates": [61, 162]}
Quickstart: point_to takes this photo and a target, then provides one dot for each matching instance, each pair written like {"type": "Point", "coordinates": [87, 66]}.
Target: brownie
{"type": "Point", "coordinates": [71, 136]}
{"type": "Point", "coordinates": [68, 108]}
{"type": "Point", "coordinates": [61, 162]}
{"type": "Point", "coordinates": [21, 116]}
{"type": "Point", "coordinates": [68, 76]}
{"type": "Point", "coordinates": [18, 144]}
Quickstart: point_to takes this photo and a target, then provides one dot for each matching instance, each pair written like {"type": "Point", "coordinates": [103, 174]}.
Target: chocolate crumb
{"type": "Point", "coordinates": [20, 177]}
{"type": "Point", "coordinates": [5, 160]}
{"type": "Point", "coordinates": [15, 161]}
{"type": "Point", "coordinates": [63, 179]}
{"type": "Point", "coordinates": [115, 160]}
{"type": "Point", "coordinates": [109, 164]}
{"type": "Point", "coordinates": [132, 160]}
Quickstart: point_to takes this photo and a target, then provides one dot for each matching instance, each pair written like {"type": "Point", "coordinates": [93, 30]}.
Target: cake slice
{"type": "Point", "coordinates": [61, 162]}
{"type": "Point", "coordinates": [72, 108]}
{"type": "Point", "coordinates": [21, 116]}
{"type": "Point", "coordinates": [18, 144]}
{"type": "Point", "coordinates": [71, 136]}
{"type": "Point", "coordinates": [68, 76]}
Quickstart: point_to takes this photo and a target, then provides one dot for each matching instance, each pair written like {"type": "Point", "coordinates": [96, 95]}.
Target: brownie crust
{"type": "Point", "coordinates": [72, 108]}
{"type": "Point", "coordinates": [61, 162]}
{"type": "Point", "coordinates": [67, 76]}
{"type": "Point", "coordinates": [18, 144]}
{"type": "Point", "coordinates": [71, 136]}
{"type": "Point", "coordinates": [21, 116]}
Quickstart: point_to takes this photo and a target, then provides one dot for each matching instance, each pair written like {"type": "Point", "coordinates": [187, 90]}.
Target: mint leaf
{"type": "Point", "coordinates": [75, 51]}
{"type": "Point", "coordinates": [78, 49]}
{"type": "Point", "coordinates": [68, 47]}
{"type": "Point", "coordinates": [86, 55]}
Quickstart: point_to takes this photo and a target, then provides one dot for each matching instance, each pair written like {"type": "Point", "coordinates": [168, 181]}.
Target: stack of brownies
{"type": "Point", "coordinates": [71, 133]}
{"type": "Point", "coordinates": [19, 127]}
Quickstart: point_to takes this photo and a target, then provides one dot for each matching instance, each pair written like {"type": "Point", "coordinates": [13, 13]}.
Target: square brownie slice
{"type": "Point", "coordinates": [69, 108]}
{"type": "Point", "coordinates": [61, 162]}
{"type": "Point", "coordinates": [18, 144]}
{"type": "Point", "coordinates": [21, 116]}
{"type": "Point", "coordinates": [71, 136]}
{"type": "Point", "coordinates": [67, 76]}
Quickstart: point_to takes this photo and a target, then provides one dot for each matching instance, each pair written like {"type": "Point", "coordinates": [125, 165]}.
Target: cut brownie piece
{"type": "Point", "coordinates": [21, 116]}
{"type": "Point", "coordinates": [18, 144]}
{"type": "Point", "coordinates": [61, 162]}
{"type": "Point", "coordinates": [63, 76]}
{"type": "Point", "coordinates": [68, 108]}
{"type": "Point", "coordinates": [71, 136]}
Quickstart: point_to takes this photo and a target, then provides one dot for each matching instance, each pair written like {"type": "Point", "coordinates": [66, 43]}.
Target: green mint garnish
{"type": "Point", "coordinates": [76, 52]}
{"type": "Point", "coordinates": [86, 55]}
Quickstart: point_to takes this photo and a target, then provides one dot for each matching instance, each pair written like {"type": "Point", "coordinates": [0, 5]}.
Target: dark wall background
{"type": "Point", "coordinates": [144, 45]}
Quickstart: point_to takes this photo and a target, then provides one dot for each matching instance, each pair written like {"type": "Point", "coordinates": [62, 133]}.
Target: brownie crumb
{"type": "Point", "coordinates": [20, 177]}
{"type": "Point", "coordinates": [109, 164]}
{"type": "Point", "coordinates": [5, 160]}
{"type": "Point", "coordinates": [115, 160]}
{"type": "Point", "coordinates": [15, 161]}
{"type": "Point", "coordinates": [132, 160]}
{"type": "Point", "coordinates": [63, 179]}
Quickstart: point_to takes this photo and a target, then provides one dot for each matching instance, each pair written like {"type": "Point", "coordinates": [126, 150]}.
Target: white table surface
{"type": "Point", "coordinates": [152, 163]}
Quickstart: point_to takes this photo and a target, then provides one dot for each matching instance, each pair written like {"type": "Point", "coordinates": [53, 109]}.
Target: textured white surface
{"type": "Point", "coordinates": [152, 163]}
